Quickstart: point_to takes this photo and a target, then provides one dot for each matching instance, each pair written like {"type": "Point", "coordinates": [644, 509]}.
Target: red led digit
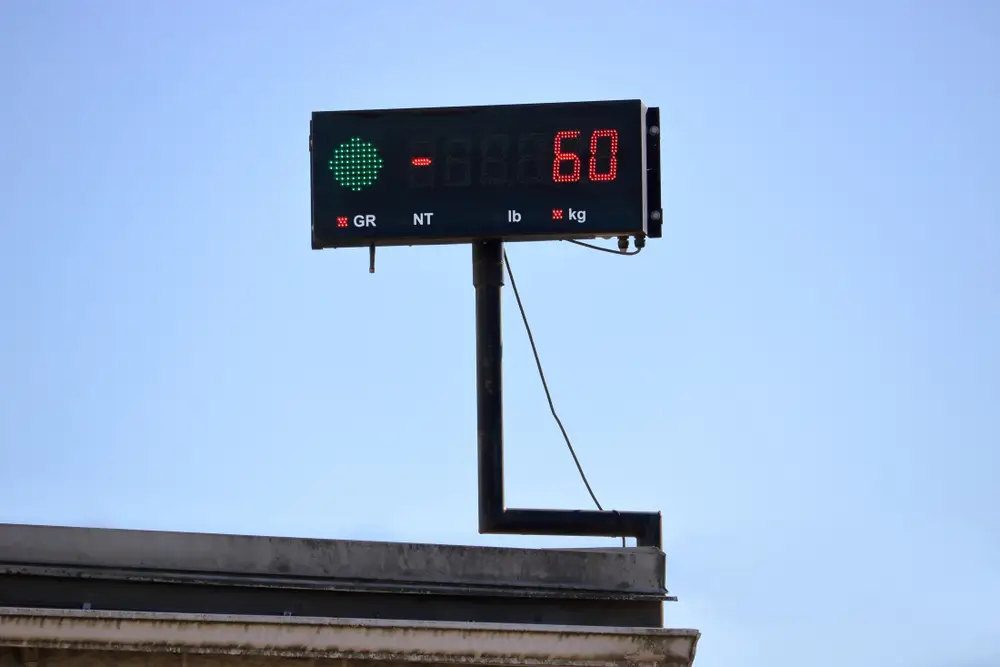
{"type": "Point", "coordinates": [561, 157]}
{"type": "Point", "coordinates": [612, 171]}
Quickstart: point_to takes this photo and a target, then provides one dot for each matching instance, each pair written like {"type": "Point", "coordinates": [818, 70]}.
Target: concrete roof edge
{"type": "Point", "coordinates": [389, 641]}
{"type": "Point", "coordinates": [618, 570]}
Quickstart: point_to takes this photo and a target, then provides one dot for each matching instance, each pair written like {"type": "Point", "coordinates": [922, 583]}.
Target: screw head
{"type": "Point", "coordinates": [654, 130]}
{"type": "Point", "coordinates": [655, 215]}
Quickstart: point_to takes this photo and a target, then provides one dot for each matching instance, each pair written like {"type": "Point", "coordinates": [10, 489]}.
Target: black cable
{"type": "Point", "coordinates": [626, 253]}
{"type": "Point", "coordinates": [545, 385]}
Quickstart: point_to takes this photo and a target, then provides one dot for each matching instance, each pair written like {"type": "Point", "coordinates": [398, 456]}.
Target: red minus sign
{"type": "Point", "coordinates": [421, 162]}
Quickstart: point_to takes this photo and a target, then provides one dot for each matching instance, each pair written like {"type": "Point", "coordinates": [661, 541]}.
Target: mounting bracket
{"type": "Point", "coordinates": [494, 517]}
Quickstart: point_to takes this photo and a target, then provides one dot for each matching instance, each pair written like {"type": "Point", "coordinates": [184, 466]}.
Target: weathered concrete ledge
{"type": "Point", "coordinates": [636, 570]}
{"type": "Point", "coordinates": [133, 570]}
{"type": "Point", "coordinates": [85, 638]}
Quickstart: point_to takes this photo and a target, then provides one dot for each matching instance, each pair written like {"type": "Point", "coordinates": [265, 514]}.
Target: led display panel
{"type": "Point", "coordinates": [457, 174]}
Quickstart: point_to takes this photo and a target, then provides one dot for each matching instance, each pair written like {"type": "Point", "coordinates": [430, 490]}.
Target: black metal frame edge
{"type": "Point", "coordinates": [206, 598]}
{"type": "Point", "coordinates": [467, 108]}
{"type": "Point", "coordinates": [654, 192]}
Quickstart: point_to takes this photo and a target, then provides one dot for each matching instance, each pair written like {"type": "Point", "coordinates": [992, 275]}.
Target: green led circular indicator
{"type": "Point", "coordinates": [356, 164]}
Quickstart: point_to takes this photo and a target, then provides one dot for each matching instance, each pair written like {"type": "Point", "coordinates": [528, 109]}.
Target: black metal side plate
{"type": "Point", "coordinates": [654, 228]}
{"type": "Point", "coordinates": [139, 594]}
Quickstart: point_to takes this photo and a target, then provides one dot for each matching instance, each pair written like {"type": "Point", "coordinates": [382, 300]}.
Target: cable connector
{"type": "Point", "coordinates": [623, 243]}
{"type": "Point", "coordinates": [640, 242]}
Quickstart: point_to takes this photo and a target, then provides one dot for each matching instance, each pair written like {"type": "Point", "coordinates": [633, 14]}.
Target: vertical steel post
{"type": "Point", "coordinates": [487, 278]}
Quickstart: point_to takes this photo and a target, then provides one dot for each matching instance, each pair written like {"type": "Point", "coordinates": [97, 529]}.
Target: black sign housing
{"type": "Point", "coordinates": [459, 174]}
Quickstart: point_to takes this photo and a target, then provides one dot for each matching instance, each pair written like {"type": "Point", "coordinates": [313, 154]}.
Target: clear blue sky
{"type": "Point", "coordinates": [803, 374]}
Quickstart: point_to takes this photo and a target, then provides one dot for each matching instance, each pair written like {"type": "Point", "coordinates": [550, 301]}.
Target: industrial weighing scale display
{"type": "Point", "coordinates": [457, 174]}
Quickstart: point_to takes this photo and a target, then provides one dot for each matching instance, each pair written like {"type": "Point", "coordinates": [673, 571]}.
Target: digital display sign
{"type": "Point", "coordinates": [457, 174]}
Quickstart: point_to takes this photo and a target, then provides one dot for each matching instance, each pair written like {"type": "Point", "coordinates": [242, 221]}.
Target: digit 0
{"type": "Point", "coordinates": [558, 171]}
{"type": "Point", "coordinates": [611, 139]}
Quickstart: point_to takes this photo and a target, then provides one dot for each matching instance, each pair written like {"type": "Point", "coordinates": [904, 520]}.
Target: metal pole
{"type": "Point", "coordinates": [487, 277]}
{"type": "Point", "coordinates": [494, 517]}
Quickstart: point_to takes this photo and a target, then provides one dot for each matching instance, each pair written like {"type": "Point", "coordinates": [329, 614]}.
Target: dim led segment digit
{"type": "Point", "coordinates": [611, 156]}
{"type": "Point", "coordinates": [494, 170]}
{"type": "Point", "coordinates": [532, 158]}
{"type": "Point", "coordinates": [458, 162]}
{"type": "Point", "coordinates": [558, 172]}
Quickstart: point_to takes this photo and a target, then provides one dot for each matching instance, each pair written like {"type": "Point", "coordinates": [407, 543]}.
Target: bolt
{"type": "Point", "coordinates": [655, 215]}
{"type": "Point", "coordinates": [654, 130]}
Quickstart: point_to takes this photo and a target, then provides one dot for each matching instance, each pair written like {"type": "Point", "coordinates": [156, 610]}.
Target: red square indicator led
{"type": "Point", "coordinates": [342, 221]}
{"type": "Point", "coordinates": [557, 214]}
